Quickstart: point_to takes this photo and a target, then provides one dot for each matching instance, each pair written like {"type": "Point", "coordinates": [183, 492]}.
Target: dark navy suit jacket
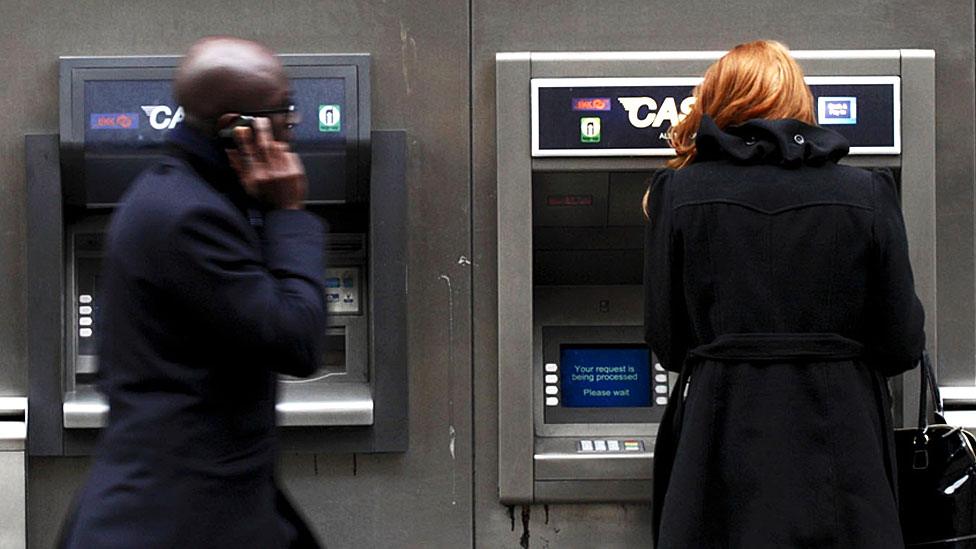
{"type": "Point", "coordinates": [205, 299]}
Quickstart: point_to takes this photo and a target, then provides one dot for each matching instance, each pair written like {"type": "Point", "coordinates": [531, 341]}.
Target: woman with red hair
{"type": "Point", "coordinates": [778, 284]}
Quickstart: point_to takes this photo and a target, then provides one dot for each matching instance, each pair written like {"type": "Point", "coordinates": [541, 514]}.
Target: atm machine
{"type": "Point", "coordinates": [113, 118]}
{"type": "Point", "coordinates": [579, 136]}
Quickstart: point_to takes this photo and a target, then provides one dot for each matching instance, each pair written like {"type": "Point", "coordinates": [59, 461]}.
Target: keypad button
{"type": "Point", "coordinates": [85, 332]}
{"type": "Point", "coordinates": [552, 390]}
{"type": "Point", "coordinates": [661, 400]}
{"type": "Point", "coordinates": [85, 310]}
{"type": "Point", "coordinates": [661, 378]}
{"type": "Point", "coordinates": [85, 299]}
{"type": "Point", "coordinates": [661, 389]}
{"type": "Point", "coordinates": [552, 401]}
{"type": "Point", "coordinates": [600, 445]}
{"type": "Point", "coordinates": [85, 321]}
{"type": "Point", "coordinates": [613, 445]}
{"type": "Point", "coordinates": [552, 367]}
{"type": "Point", "coordinates": [552, 378]}
{"type": "Point", "coordinates": [658, 367]}
{"type": "Point", "coordinates": [586, 446]}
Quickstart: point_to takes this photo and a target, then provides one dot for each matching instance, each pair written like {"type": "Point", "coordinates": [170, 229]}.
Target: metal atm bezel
{"type": "Point", "coordinates": [515, 166]}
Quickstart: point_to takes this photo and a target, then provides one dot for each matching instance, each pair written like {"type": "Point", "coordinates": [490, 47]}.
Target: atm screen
{"type": "Point", "coordinates": [605, 376]}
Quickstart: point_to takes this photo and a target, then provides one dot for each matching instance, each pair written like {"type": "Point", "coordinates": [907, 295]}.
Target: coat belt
{"type": "Point", "coordinates": [787, 347]}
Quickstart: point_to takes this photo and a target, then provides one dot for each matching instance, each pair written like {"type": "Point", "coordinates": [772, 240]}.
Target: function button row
{"type": "Point", "coordinates": [552, 387]}
{"type": "Point", "coordinates": [660, 385]}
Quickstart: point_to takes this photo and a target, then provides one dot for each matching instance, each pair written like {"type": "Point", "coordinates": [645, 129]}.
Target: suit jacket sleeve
{"type": "Point", "coordinates": [896, 319]}
{"type": "Point", "coordinates": [665, 313]}
{"type": "Point", "coordinates": [263, 300]}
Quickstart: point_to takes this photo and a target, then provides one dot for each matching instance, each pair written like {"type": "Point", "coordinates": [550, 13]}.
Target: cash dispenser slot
{"type": "Point", "coordinates": [338, 393]}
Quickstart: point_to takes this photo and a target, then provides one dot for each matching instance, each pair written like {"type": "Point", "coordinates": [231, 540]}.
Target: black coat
{"type": "Point", "coordinates": [778, 283]}
{"type": "Point", "coordinates": [204, 299]}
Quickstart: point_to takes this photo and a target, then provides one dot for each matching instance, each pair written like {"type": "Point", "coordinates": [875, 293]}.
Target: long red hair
{"type": "Point", "coordinates": [758, 79]}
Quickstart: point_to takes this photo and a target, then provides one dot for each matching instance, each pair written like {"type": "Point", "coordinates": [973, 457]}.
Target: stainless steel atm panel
{"type": "Point", "coordinates": [114, 114]}
{"type": "Point", "coordinates": [569, 229]}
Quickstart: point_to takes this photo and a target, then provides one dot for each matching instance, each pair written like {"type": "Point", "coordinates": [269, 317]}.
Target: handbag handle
{"type": "Point", "coordinates": [929, 386]}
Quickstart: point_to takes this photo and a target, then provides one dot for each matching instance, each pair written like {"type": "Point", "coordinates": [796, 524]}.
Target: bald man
{"type": "Point", "coordinates": [213, 285]}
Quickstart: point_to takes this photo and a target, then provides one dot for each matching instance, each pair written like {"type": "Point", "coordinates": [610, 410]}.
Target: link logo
{"type": "Point", "coordinates": [591, 104]}
{"type": "Point", "coordinates": [115, 121]}
{"type": "Point", "coordinates": [162, 117]}
{"type": "Point", "coordinates": [644, 112]}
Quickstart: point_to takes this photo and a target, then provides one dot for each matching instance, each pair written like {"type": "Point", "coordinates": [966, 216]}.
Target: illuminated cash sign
{"type": "Point", "coordinates": [634, 115]}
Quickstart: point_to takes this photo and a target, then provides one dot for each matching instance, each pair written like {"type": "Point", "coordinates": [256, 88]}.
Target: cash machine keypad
{"type": "Point", "coordinates": [587, 446]}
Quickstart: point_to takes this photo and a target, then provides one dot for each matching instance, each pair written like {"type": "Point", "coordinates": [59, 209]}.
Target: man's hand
{"type": "Point", "coordinates": [268, 169]}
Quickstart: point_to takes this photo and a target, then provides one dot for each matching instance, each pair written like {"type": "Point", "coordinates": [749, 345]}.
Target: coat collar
{"type": "Point", "coordinates": [785, 142]}
{"type": "Point", "coordinates": [209, 160]}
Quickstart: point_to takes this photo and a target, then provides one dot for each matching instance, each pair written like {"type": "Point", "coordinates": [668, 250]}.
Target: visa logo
{"type": "Point", "coordinates": [114, 121]}
{"type": "Point", "coordinates": [591, 104]}
{"type": "Point", "coordinates": [836, 110]}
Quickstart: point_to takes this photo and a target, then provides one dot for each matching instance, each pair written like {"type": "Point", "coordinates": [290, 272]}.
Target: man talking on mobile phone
{"type": "Point", "coordinates": [213, 285]}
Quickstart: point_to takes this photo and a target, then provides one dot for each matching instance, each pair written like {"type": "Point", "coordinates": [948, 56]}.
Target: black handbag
{"type": "Point", "coordinates": [936, 475]}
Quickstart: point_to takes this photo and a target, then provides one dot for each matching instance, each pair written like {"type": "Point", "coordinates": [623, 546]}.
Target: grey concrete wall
{"type": "Point", "coordinates": [574, 25]}
{"type": "Point", "coordinates": [420, 83]}
{"type": "Point", "coordinates": [442, 493]}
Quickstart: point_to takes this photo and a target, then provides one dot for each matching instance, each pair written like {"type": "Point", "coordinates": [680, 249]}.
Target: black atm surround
{"type": "Point", "coordinates": [121, 165]}
{"type": "Point", "coordinates": [374, 204]}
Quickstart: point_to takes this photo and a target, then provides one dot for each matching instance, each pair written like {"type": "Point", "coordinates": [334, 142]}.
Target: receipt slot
{"type": "Point", "coordinates": [579, 136]}
{"type": "Point", "coordinates": [114, 116]}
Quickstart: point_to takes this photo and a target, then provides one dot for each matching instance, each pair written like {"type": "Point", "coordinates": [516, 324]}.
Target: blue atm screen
{"type": "Point", "coordinates": [605, 376]}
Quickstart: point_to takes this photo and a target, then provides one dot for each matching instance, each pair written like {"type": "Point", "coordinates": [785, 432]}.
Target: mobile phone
{"type": "Point", "coordinates": [226, 135]}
